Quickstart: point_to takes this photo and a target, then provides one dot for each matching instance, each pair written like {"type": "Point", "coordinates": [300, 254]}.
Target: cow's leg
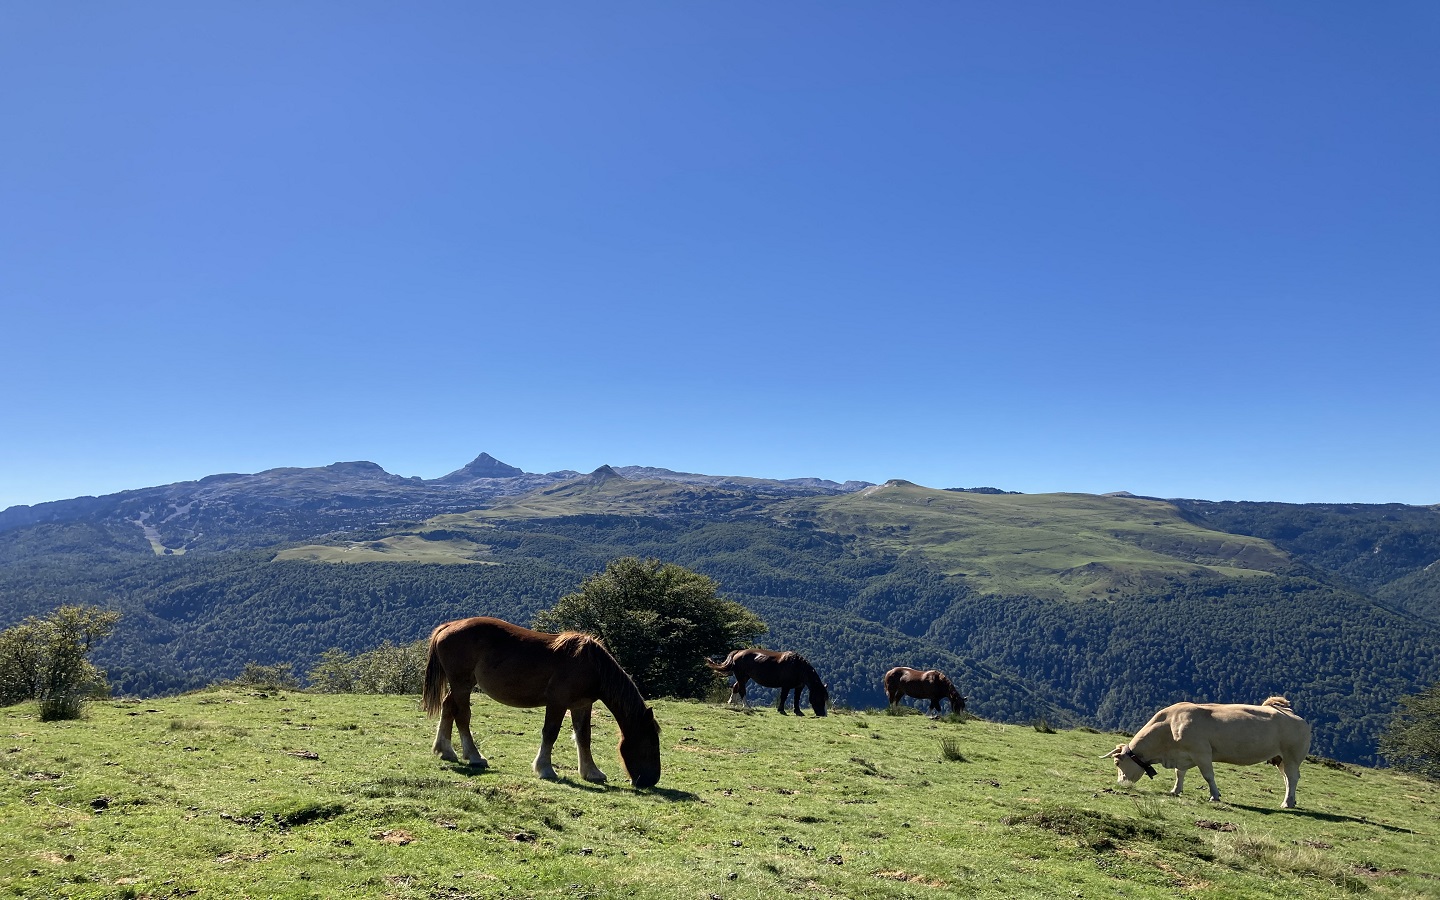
{"type": "Point", "coordinates": [554, 717]}
{"type": "Point", "coordinates": [1179, 780]}
{"type": "Point", "coordinates": [1291, 768]}
{"type": "Point", "coordinates": [457, 709]}
{"type": "Point", "coordinates": [580, 724]}
{"type": "Point", "coordinates": [1208, 770]}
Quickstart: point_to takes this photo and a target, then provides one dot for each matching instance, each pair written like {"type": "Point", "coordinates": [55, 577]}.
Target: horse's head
{"type": "Point", "coordinates": [819, 697]}
{"type": "Point", "coordinates": [957, 702]}
{"type": "Point", "coordinates": [640, 751]}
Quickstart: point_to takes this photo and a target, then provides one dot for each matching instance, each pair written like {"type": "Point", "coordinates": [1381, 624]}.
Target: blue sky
{"type": "Point", "coordinates": [1186, 250]}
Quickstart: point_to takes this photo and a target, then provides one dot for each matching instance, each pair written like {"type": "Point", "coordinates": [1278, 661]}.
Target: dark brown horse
{"type": "Point", "coordinates": [769, 668]}
{"type": "Point", "coordinates": [520, 667]}
{"type": "Point", "coordinates": [932, 685]}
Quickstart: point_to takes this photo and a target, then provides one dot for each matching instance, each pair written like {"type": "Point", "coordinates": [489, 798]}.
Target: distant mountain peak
{"type": "Point", "coordinates": [603, 474]}
{"type": "Point", "coordinates": [482, 466]}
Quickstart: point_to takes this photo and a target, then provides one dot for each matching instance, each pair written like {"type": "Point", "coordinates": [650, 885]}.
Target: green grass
{"type": "Point", "coordinates": [240, 794]}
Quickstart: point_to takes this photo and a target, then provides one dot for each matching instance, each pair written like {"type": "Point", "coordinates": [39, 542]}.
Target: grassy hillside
{"type": "Point", "coordinates": [1042, 545]}
{"type": "Point", "coordinates": [1057, 546]}
{"type": "Point", "coordinates": [242, 794]}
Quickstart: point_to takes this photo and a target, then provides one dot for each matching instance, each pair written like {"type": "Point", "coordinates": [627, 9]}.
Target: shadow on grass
{"type": "Point", "coordinates": [1320, 816]}
{"type": "Point", "coordinates": [460, 768]}
{"type": "Point", "coordinates": [672, 794]}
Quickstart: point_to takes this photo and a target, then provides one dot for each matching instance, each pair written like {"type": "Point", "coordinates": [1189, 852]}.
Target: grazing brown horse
{"type": "Point", "coordinates": [769, 668]}
{"type": "Point", "coordinates": [520, 667]}
{"type": "Point", "coordinates": [932, 685]}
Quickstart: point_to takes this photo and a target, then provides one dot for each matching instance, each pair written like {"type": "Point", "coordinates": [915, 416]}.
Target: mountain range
{"type": "Point", "coordinates": [1070, 607]}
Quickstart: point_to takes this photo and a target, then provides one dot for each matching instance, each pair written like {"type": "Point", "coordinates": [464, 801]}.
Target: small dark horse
{"type": "Point", "coordinates": [769, 668]}
{"type": "Point", "coordinates": [932, 685]}
{"type": "Point", "coordinates": [519, 667]}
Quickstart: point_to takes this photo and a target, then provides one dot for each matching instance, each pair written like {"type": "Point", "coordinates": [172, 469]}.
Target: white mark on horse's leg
{"type": "Point", "coordinates": [472, 753]}
{"type": "Point", "coordinates": [442, 743]}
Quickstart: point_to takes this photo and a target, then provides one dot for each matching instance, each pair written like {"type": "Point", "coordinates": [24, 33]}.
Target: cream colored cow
{"type": "Point", "coordinates": [1201, 734]}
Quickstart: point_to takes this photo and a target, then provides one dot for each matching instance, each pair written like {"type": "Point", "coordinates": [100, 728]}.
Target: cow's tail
{"type": "Point", "coordinates": [431, 697]}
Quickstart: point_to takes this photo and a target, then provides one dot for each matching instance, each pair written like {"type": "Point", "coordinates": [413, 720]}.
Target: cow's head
{"type": "Point", "coordinates": [1129, 766]}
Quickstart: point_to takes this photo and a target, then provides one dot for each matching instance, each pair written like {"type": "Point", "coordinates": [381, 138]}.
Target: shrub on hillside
{"type": "Point", "coordinates": [277, 677]}
{"type": "Point", "coordinates": [45, 658]}
{"type": "Point", "coordinates": [659, 620]}
{"type": "Point", "coordinates": [387, 669]}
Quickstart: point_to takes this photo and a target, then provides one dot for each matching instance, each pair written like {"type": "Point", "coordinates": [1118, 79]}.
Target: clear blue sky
{"type": "Point", "coordinates": [1178, 249]}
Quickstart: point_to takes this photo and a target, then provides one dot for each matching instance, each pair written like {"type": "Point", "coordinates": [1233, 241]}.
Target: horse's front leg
{"type": "Point", "coordinates": [798, 692]}
{"type": "Point", "coordinates": [554, 718]}
{"type": "Point", "coordinates": [780, 707]}
{"type": "Point", "coordinates": [580, 724]}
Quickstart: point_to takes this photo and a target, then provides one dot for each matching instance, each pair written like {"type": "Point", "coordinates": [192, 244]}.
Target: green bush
{"type": "Point", "coordinates": [45, 658]}
{"type": "Point", "coordinates": [387, 669]}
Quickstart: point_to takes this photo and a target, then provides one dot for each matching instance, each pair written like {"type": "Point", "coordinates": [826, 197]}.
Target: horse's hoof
{"type": "Point", "coordinates": [597, 777]}
{"type": "Point", "coordinates": [547, 774]}
{"type": "Point", "coordinates": [477, 763]}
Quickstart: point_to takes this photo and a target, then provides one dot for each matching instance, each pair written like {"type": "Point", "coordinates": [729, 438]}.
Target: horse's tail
{"type": "Point", "coordinates": [727, 667]}
{"type": "Point", "coordinates": [1277, 702]}
{"type": "Point", "coordinates": [434, 678]}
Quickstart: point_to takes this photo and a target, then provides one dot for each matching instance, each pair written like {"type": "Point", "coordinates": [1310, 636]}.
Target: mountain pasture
{"type": "Point", "coordinates": [261, 794]}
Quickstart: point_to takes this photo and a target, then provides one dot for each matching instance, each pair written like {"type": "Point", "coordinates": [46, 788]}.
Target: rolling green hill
{"type": "Point", "coordinates": [230, 793]}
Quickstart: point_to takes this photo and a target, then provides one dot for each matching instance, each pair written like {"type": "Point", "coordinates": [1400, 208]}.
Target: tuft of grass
{"type": "Point", "coordinates": [950, 750]}
{"type": "Point", "coordinates": [1042, 725]}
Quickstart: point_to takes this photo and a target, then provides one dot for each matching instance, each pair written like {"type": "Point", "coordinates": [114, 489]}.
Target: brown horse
{"type": "Point", "coordinates": [932, 685]}
{"type": "Point", "coordinates": [520, 667]}
{"type": "Point", "coordinates": [769, 668]}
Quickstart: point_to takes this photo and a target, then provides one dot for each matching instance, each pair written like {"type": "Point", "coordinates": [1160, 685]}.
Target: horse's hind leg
{"type": "Point", "coordinates": [554, 717]}
{"type": "Point", "coordinates": [443, 731]}
{"type": "Point", "coordinates": [738, 690]}
{"type": "Point", "coordinates": [456, 708]}
{"type": "Point", "coordinates": [580, 724]}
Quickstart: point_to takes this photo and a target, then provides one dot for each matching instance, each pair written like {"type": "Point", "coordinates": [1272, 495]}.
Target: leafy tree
{"type": "Point", "coordinates": [1412, 742]}
{"type": "Point", "coordinates": [659, 620]}
{"type": "Point", "coordinates": [277, 677]}
{"type": "Point", "coordinates": [45, 658]}
{"type": "Point", "coordinates": [387, 669]}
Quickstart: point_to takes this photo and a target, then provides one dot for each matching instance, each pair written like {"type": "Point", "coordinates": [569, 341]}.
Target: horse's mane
{"type": "Point", "coordinates": [617, 688]}
{"type": "Point", "coordinates": [812, 677]}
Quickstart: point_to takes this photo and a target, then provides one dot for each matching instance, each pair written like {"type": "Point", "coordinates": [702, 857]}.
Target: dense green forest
{"type": "Point", "coordinates": [1390, 550]}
